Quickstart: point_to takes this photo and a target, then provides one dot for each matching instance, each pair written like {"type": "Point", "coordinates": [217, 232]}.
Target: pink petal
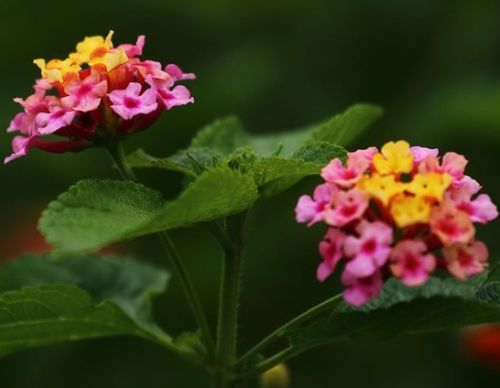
{"type": "Point", "coordinates": [306, 210]}
{"type": "Point", "coordinates": [467, 183]}
{"type": "Point", "coordinates": [483, 210]}
{"type": "Point", "coordinates": [178, 96]}
{"type": "Point", "coordinates": [361, 291]}
{"type": "Point", "coordinates": [127, 103]}
{"type": "Point", "coordinates": [177, 74]}
{"type": "Point", "coordinates": [451, 225]}
{"type": "Point", "coordinates": [454, 164]}
{"type": "Point", "coordinates": [466, 260]}
{"type": "Point", "coordinates": [347, 176]}
{"type": "Point", "coordinates": [22, 122]}
{"type": "Point", "coordinates": [153, 69]}
{"type": "Point", "coordinates": [347, 206]}
{"type": "Point", "coordinates": [410, 263]}
{"type": "Point", "coordinates": [324, 192]}
{"type": "Point", "coordinates": [366, 154]}
{"type": "Point", "coordinates": [311, 210]}
{"type": "Point", "coordinates": [422, 153]}
{"type": "Point", "coordinates": [20, 147]}
{"type": "Point", "coordinates": [370, 251]}
{"type": "Point", "coordinates": [323, 272]}
{"type": "Point", "coordinates": [134, 50]}
{"type": "Point", "coordinates": [361, 267]}
{"type": "Point", "coordinates": [55, 119]}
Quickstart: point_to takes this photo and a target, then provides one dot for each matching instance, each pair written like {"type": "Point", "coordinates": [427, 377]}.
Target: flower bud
{"type": "Point", "coordinates": [276, 377]}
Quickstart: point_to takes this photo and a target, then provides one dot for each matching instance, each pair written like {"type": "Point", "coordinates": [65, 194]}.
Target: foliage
{"type": "Point", "coordinates": [50, 299]}
{"type": "Point", "coordinates": [67, 297]}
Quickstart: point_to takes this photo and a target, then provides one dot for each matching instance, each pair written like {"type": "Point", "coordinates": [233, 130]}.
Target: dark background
{"type": "Point", "coordinates": [434, 66]}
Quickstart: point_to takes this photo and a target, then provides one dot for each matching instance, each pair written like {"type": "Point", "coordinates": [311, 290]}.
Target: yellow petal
{"type": "Point", "coordinates": [110, 59]}
{"type": "Point", "coordinates": [56, 69]}
{"type": "Point", "coordinates": [108, 40]}
{"type": "Point", "coordinates": [381, 187]}
{"type": "Point", "coordinates": [394, 158]}
{"type": "Point", "coordinates": [408, 210]}
{"type": "Point", "coordinates": [88, 45]}
{"type": "Point", "coordinates": [431, 185]}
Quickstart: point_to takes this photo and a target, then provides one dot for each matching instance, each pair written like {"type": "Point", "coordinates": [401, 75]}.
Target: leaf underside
{"type": "Point", "coordinates": [48, 300]}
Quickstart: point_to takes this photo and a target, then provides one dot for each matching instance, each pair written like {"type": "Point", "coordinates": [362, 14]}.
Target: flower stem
{"type": "Point", "coordinates": [115, 150]}
{"type": "Point", "coordinates": [275, 335]}
{"type": "Point", "coordinates": [230, 237]}
{"type": "Point", "coordinates": [117, 155]}
{"type": "Point", "coordinates": [193, 300]}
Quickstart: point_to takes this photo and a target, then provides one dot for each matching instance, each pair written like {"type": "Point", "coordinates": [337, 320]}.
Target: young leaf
{"type": "Point", "coordinates": [223, 136]}
{"type": "Point", "coordinates": [100, 297]}
{"type": "Point", "coordinates": [275, 174]}
{"type": "Point", "coordinates": [95, 213]}
{"type": "Point", "coordinates": [438, 305]}
{"type": "Point", "coordinates": [341, 130]}
{"type": "Point", "coordinates": [272, 168]}
{"type": "Point", "coordinates": [320, 152]}
{"type": "Point", "coordinates": [286, 142]}
{"type": "Point", "coordinates": [191, 162]}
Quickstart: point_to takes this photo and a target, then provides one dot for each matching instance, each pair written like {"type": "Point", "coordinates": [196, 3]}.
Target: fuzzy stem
{"type": "Point", "coordinates": [230, 237]}
{"type": "Point", "coordinates": [116, 152]}
{"type": "Point", "coordinates": [192, 297]}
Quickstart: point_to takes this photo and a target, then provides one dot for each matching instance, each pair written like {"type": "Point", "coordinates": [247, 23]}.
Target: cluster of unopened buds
{"type": "Point", "coordinates": [403, 212]}
{"type": "Point", "coordinates": [98, 92]}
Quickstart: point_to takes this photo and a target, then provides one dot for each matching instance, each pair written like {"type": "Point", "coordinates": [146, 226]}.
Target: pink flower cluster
{"type": "Point", "coordinates": [401, 212]}
{"type": "Point", "coordinates": [98, 92]}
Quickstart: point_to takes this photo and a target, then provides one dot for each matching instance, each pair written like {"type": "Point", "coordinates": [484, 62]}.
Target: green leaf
{"type": "Point", "coordinates": [275, 174]}
{"type": "Point", "coordinates": [287, 142]}
{"type": "Point", "coordinates": [93, 213]}
{"type": "Point", "coordinates": [100, 297]}
{"type": "Point", "coordinates": [225, 140]}
{"type": "Point", "coordinates": [273, 168]}
{"type": "Point", "coordinates": [191, 162]}
{"type": "Point", "coordinates": [436, 306]}
{"type": "Point", "coordinates": [320, 152]}
{"type": "Point", "coordinates": [343, 128]}
{"type": "Point", "coordinates": [217, 193]}
{"type": "Point", "coordinates": [223, 136]}
{"type": "Point", "coordinates": [340, 130]}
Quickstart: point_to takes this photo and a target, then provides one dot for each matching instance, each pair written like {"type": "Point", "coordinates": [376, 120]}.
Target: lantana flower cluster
{"type": "Point", "coordinates": [97, 92]}
{"type": "Point", "coordinates": [403, 212]}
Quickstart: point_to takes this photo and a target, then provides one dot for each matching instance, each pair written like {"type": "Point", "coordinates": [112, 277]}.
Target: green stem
{"type": "Point", "coordinates": [192, 297]}
{"type": "Point", "coordinates": [118, 156]}
{"type": "Point", "coordinates": [116, 152]}
{"type": "Point", "coordinates": [270, 362]}
{"type": "Point", "coordinates": [230, 237]}
{"type": "Point", "coordinates": [275, 335]}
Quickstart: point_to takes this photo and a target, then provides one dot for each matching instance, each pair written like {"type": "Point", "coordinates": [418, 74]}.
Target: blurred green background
{"type": "Point", "coordinates": [434, 65]}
